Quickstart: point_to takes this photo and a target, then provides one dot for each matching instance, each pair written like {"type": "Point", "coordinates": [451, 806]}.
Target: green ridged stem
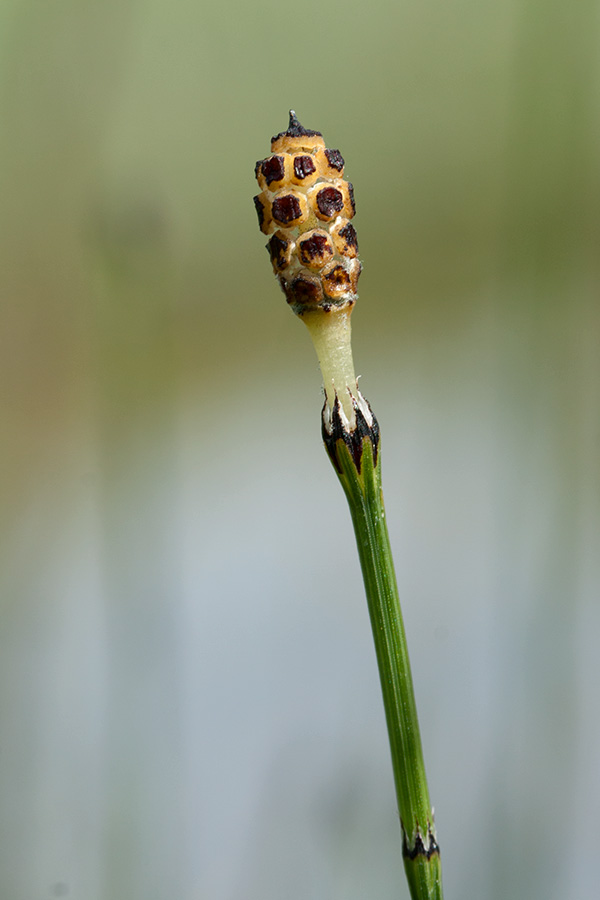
{"type": "Point", "coordinates": [359, 470]}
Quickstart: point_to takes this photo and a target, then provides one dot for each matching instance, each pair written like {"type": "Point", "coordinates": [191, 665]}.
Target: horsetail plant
{"type": "Point", "coordinates": [306, 206]}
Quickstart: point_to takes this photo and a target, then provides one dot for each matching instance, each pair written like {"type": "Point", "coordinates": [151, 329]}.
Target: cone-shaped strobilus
{"type": "Point", "coordinates": [306, 206]}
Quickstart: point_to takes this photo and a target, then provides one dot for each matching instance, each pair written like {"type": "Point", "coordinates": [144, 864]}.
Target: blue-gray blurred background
{"type": "Point", "coordinates": [189, 697]}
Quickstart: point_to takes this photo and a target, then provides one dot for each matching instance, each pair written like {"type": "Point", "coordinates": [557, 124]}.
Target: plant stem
{"type": "Point", "coordinates": [357, 461]}
{"type": "Point", "coordinates": [306, 205]}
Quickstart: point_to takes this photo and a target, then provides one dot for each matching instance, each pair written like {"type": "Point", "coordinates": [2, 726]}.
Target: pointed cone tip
{"type": "Point", "coordinates": [295, 129]}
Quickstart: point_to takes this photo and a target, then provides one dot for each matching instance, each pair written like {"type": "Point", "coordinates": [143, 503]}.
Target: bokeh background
{"type": "Point", "coordinates": [189, 696]}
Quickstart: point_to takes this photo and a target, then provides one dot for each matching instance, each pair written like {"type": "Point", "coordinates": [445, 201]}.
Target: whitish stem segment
{"type": "Point", "coordinates": [357, 461]}
{"type": "Point", "coordinates": [331, 332]}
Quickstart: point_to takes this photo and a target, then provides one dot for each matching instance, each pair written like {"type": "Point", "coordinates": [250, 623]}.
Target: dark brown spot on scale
{"type": "Point", "coordinates": [315, 249]}
{"type": "Point", "coordinates": [337, 281]}
{"type": "Point", "coordinates": [273, 169]}
{"type": "Point", "coordinates": [286, 209]}
{"type": "Point", "coordinates": [351, 195]}
{"type": "Point", "coordinates": [335, 159]}
{"type": "Point", "coordinates": [277, 251]}
{"type": "Point", "coordinates": [303, 166]}
{"type": "Point", "coordinates": [260, 210]}
{"type": "Point", "coordinates": [330, 201]}
{"type": "Point", "coordinates": [306, 290]}
{"type": "Point", "coordinates": [348, 235]}
{"type": "Point", "coordinates": [257, 168]}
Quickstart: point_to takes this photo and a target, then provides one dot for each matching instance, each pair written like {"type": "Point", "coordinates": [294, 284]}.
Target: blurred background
{"type": "Point", "coordinates": [189, 697]}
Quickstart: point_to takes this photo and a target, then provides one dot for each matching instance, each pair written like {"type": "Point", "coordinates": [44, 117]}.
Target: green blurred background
{"type": "Point", "coordinates": [188, 689]}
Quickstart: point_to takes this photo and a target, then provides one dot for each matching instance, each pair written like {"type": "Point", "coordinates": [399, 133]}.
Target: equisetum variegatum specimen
{"type": "Point", "coordinates": [305, 205]}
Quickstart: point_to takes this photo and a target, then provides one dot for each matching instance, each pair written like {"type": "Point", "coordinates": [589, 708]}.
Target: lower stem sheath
{"type": "Point", "coordinates": [355, 456]}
